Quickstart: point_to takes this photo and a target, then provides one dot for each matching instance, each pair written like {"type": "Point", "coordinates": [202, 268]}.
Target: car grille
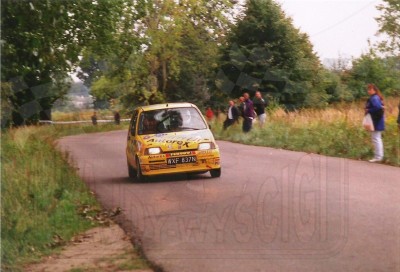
{"type": "Point", "coordinates": [161, 166]}
{"type": "Point", "coordinates": [180, 151]}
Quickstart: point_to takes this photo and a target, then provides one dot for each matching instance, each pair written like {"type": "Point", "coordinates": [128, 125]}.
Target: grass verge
{"type": "Point", "coordinates": [333, 132]}
{"type": "Point", "coordinates": [41, 194]}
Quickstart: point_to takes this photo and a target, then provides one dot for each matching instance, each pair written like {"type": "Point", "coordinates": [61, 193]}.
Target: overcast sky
{"type": "Point", "coordinates": [335, 27]}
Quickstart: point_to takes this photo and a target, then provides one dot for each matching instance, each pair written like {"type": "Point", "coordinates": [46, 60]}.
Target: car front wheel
{"type": "Point", "coordinates": [139, 176]}
{"type": "Point", "coordinates": [215, 173]}
{"type": "Point", "coordinates": [131, 171]}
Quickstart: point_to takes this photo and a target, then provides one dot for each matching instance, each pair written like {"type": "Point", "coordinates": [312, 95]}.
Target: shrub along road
{"type": "Point", "coordinates": [271, 210]}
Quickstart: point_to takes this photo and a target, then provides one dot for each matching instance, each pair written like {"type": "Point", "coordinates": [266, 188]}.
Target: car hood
{"type": "Point", "coordinates": [184, 140]}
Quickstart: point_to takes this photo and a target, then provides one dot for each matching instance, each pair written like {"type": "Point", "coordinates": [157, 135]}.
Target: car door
{"type": "Point", "coordinates": [131, 141]}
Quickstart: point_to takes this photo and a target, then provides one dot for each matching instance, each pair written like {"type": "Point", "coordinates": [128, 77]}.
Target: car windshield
{"type": "Point", "coordinates": [170, 120]}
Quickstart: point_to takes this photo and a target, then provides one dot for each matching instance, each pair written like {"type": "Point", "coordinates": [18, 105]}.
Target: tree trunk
{"type": "Point", "coordinates": [164, 76]}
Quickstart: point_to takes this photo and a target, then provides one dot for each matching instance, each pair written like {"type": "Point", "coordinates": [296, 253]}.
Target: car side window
{"type": "Point", "coordinates": [132, 126]}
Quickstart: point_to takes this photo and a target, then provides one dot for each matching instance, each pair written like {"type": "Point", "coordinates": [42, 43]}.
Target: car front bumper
{"type": "Point", "coordinates": [180, 162]}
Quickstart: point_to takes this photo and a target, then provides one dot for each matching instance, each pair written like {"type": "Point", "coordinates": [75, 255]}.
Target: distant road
{"type": "Point", "coordinates": [271, 210]}
{"type": "Point", "coordinates": [49, 122]}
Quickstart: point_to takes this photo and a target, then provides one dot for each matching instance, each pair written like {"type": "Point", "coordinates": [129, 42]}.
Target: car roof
{"type": "Point", "coordinates": [167, 106]}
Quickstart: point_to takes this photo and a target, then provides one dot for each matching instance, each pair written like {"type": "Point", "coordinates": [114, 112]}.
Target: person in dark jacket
{"type": "Point", "coordinates": [398, 118]}
{"type": "Point", "coordinates": [232, 115]}
{"type": "Point", "coordinates": [117, 118]}
{"type": "Point", "coordinates": [248, 113]}
{"type": "Point", "coordinates": [375, 108]}
{"type": "Point", "coordinates": [94, 119]}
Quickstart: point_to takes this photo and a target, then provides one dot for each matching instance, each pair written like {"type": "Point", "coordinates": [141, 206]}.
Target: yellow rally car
{"type": "Point", "coordinates": [170, 138]}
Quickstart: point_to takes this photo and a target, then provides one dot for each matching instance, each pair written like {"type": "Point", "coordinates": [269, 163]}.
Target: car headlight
{"type": "Point", "coordinates": [206, 146]}
{"type": "Point", "coordinates": [153, 151]}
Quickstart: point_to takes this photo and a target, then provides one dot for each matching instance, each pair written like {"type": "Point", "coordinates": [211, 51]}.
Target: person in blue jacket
{"type": "Point", "coordinates": [375, 108]}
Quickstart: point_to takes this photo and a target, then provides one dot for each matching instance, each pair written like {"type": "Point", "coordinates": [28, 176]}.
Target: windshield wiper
{"type": "Point", "coordinates": [191, 128]}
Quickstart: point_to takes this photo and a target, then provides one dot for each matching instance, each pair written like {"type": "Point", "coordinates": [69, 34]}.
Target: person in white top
{"type": "Point", "coordinates": [232, 115]}
{"type": "Point", "coordinates": [259, 106]}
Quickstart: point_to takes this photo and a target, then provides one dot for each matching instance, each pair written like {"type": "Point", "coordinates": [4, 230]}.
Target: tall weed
{"type": "Point", "coordinates": [334, 131]}
{"type": "Point", "coordinates": [41, 193]}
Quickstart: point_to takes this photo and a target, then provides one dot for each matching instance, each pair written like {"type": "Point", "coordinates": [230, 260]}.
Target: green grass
{"type": "Point", "coordinates": [127, 262]}
{"type": "Point", "coordinates": [338, 136]}
{"type": "Point", "coordinates": [77, 270]}
{"type": "Point", "coordinates": [41, 193]}
{"type": "Point", "coordinates": [58, 131]}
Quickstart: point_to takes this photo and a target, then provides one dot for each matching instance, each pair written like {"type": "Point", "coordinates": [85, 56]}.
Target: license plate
{"type": "Point", "coordinates": [181, 160]}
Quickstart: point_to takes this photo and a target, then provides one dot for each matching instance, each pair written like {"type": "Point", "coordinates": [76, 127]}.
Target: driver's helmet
{"type": "Point", "coordinates": [175, 119]}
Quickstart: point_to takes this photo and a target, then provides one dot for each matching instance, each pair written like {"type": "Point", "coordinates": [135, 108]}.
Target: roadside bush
{"type": "Point", "coordinates": [41, 194]}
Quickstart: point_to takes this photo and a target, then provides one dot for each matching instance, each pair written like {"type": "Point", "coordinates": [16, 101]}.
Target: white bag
{"type": "Point", "coordinates": [367, 123]}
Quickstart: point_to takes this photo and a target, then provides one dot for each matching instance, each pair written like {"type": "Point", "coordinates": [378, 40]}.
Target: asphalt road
{"type": "Point", "coordinates": [271, 210]}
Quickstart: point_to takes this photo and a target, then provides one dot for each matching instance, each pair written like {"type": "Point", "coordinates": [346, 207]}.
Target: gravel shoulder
{"type": "Point", "coordinates": [98, 249]}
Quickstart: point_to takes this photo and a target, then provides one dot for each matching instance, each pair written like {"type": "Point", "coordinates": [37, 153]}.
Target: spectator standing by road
{"type": "Point", "coordinates": [398, 118]}
{"type": "Point", "coordinates": [209, 114]}
{"type": "Point", "coordinates": [248, 113]}
{"type": "Point", "coordinates": [259, 107]}
{"type": "Point", "coordinates": [94, 118]}
{"type": "Point", "coordinates": [375, 108]}
{"type": "Point", "coordinates": [232, 115]}
{"type": "Point", "coordinates": [241, 105]}
{"type": "Point", "coordinates": [117, 118]}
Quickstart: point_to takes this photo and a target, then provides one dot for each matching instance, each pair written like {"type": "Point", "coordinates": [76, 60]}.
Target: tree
{"type": "Point", "coordinates": [41, 43]}
{"type": "Point", "coordinates": [266, 51]}
{"type": "Point", "coordinates": [389, 23]}
{"type": "Point", "coordinates": [369, 68]}
{"type": "Point", "coordinates": [176, 54]}
{"type": "Point", "coordinates": [6, 105]}
{"type": "Point", "coordinates": [182, 45]}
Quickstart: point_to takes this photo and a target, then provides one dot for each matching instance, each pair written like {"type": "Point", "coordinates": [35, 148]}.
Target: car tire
{"type": "Point", "coordinates": [131, 171]}
{"type": "Point", "coordinates": [139, 176]}
{"type": "Point", "coordinates": [215, 173]}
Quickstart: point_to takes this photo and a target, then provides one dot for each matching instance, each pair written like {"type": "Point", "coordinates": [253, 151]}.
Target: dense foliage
{"type": "Point", "coordinates": [369, 68]}
{"type": "Point", "coordinates": [266, 51]}
{"type": "Point", "coordinates": [389, 23]}
{"type": "Point", "coordinates": [41, 43]}
{"type": "Point", "coordinates": [149, 51]}
{"type": "Point", "coordinates": [178, 49]}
